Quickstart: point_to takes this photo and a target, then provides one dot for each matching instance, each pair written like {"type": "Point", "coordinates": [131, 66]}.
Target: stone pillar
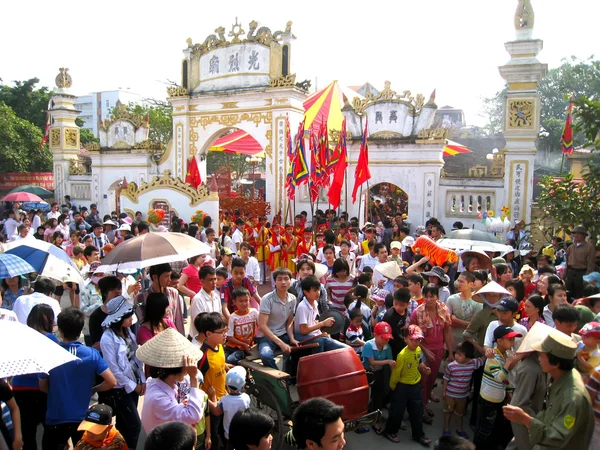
{"type": "Point", "coordinates": [63, 135]}
{"type": "Point", "coordinates": [521, 113]}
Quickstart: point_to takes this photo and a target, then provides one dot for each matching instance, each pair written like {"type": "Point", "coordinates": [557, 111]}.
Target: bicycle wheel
{"type": "Point", "coordinates": [263, 399]}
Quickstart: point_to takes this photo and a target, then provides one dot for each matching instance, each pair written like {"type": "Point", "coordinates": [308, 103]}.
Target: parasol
{"type": "Point", "coordinates": [33, 189]}
{"type": "Point", "coordinates": [238, 142]}
{"type": "Point", "coordinates": [46, 259]}
{"type": "Point", "coordinates": [21, 197]}
{"type": "Point", "coordinates": [12, 266]}
{"type": "Point", "coordinates": [324, 106]}
{"type": "Point", "coordinates": [468, 244]}
{"type": "Point", "coordinates": [30, 351]}
{"type": "Point", "coordinates": [473, 235]}
{"type": "Point", "coordinates": [151, 249]}
{"type": "Point", "coordinates": [454, 148]}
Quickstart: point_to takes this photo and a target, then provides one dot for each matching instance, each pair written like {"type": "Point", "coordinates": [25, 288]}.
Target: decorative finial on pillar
{"type": "Point", "coordinates": [63, 80]}
{"type": "Point", "coordinates": [431, 101]}
{"type": "Point", "coordinates": [524, 20]}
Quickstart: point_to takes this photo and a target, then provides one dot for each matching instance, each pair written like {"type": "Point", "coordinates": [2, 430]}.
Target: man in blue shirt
{"type": "Point", "coordinates": [71, 385]}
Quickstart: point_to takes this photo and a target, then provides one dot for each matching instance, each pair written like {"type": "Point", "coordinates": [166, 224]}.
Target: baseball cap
{"type": "Point", "coordinates": [227, 251]}
{"type": "Point", "coordinates": [415, 333]}
{"type": "Point", "coordinates": [591, 329]}
{"type": "Point", "coordinates": [384, 330]}
{"type": "Point", "coordinates": [396, 244]}
{"type": "Point", "coordinates": [557, 344]}
{"type": "Point", "coordinates": [502, 331]}
{"type": "Point", "coordinates": [507, 304]}
{"type": "Point", "coordinates": [236, 378]}
{"type": "Point", "coordinates": [97, 418]}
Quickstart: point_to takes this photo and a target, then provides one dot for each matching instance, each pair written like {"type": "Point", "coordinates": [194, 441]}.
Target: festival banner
{"type": "Point", "coordinates": [11, 180]}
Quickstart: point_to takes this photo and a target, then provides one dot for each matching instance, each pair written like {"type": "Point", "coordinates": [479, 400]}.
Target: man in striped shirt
{"type": "Point", "coordinates": [457, 385]}
{"type": "Point", "coordinates": [494, 386]}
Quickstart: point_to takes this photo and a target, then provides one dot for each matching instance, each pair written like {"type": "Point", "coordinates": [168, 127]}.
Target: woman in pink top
{"type": "Point", "coordinates": [75, 242]}
{"type": "Point", "coordinates": [189, 283]}
{"type": "Point", "coordinates": [339, 283]}
{"type": "Point", "coordinates": [51, 225]}
{"type": "Point", "coordinates": [433, 317]}
{"type": "Point", "coordinates": [155, 320]}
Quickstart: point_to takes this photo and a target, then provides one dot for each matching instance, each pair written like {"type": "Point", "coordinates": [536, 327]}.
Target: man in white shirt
{"type": "Point", "coordinates": [54, 212]}
{"type": "Point", "coordinates": [22, 233]}
{"type": "Point", "coordinates": [369, 260]}
{"type": "Point", "coordinates": [206, 300]}
{"type": "Point", "coordinates": [10, 225]}
{"type": "Point", "coordinates": [382, 256]}
{"type": "Point", "coordinates": [252, 266]}
{"type": "Point", "coordinates": [305, 323]}
{"type": "Point", "coordinates": [44, 287]}
{"type": "Point", "coordinates": [505, 310]}
{"type": "Point", "coordinates": [237, 237]}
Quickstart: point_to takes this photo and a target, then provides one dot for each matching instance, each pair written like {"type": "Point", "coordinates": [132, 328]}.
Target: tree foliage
{"type": "Point", "coordinates": [570, 202]}
{"type": "Point", "coordinates": [27, 101]}
{"type": "Point", "coordinates": [20, 144]}
{"type": "Point", "coordinates": [238, 164]}
{"type": "Point", "coordinates": [86, 136]}
{"type": "Point", "coordinates": [160, 115]}
{"type": "Point", "coordinates": [576, 77]}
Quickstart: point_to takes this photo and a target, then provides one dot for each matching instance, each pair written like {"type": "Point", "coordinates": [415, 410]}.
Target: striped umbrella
{"type": "Point", "coordinates": [237, 142]}
{"type": "Point", "coordinates": [454, 148]}
{"type": "Point", "coordinates": [324, 106]}
{"type": "Point", "coordinates": [13, 266]}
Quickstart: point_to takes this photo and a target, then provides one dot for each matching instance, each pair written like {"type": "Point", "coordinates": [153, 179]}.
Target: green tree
{"type": "Point", "coordinates": [237, 162]}
{"type": "Point", "coordinates": [27, 101]}
{"type": "Point", "coordinates": [20, 144]}
{"type": "Point", "coordinates": [160, 115]}
{"type": "Point", "coordinates": [86, 136]}
{"type": "Point", "coordinates": [580, 78]}
{"type": "Point", "coordinates": [570, 202]}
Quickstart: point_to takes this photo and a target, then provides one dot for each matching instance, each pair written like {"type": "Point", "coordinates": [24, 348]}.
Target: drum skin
{"type": "Point", "coordinates": [338, 376]}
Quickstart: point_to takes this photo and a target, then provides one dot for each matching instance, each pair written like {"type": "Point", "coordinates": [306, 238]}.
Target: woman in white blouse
{"type": "Point", "coordinates": [118, 347]}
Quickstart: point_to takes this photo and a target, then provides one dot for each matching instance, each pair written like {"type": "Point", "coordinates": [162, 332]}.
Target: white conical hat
{"type": "Point", "coordinates": [536, 334]}
{"type": "Point", "coordinates": [320, 270]}
{"type": "Point", "coordinates": [167, 350]}
{"type": "Point", "coordinates": [389, 269]}
{"type": "Point", "coordinates": [491, 288]}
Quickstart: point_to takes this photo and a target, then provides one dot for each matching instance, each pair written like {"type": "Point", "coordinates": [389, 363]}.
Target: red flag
{"type": "Point", "coordinates": [323, 146]}
{"type": "Point", "coordinates": [339, 171]}
{"type": "Point", "coordinates": [362, 172]}
{"type": "Point", "coordinates": [313, 182]}
{"type": "Point", "coordinates": [193, 173]}
{"type": "Point", "coordinates": [566, 139]}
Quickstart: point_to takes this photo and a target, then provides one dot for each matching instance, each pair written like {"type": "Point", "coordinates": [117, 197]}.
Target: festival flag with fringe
{"type": "Point", "coordinates": [323, 157]}
{"type": "Point", "coordinates": [566, 140]}
{"type": "Point", "coordinates": [300, 165]}
{"type": "Point", "coordinates": [339, 169]}
{"type": "Point", "coordinates": [362, 172]}
{"type": "Point", "coordinates": [313, 183]}
{"type": "Point", "coordinates": [290, 186]}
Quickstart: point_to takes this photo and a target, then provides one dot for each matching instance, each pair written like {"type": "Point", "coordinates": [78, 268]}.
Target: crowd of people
{"type": "Point", "coordinates": [174, 333]}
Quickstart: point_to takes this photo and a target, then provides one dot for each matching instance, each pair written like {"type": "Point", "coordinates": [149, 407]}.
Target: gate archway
{"type": "Point", "coordinates": [386, 200]}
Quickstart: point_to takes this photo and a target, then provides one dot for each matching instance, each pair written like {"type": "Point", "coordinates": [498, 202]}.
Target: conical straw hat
{"type": "Point", "coordinates": [538, 332]}
{"type": "Point", "coordinates": [320, 270]}
{"type": "Point", "coordinates": [389, 269]}
{"type": "Point", "coordinates": [491, 288]}
{"type": "Point", "coordinates": [167, 350]}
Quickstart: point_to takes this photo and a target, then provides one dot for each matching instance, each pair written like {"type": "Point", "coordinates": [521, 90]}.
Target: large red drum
{"type": "Point", "coordinates": [338, 376]}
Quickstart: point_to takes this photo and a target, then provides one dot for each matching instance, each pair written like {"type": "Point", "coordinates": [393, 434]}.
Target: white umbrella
{"type": "Point", "coordinates": [25, 350]}
{"type": "Point", "coordinates": [467, 244]}
{"type": "Point", "coordinates": [47, 259]}
{"type": "Point", "coordinates": [151, 249]}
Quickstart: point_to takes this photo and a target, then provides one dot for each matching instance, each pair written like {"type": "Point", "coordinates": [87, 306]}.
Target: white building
{"type": "Point", "coordinates": [96, 106]}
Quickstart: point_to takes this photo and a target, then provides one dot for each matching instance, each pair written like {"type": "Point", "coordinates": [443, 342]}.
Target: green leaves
{"type": "Point", "coordinates": [20, 144]}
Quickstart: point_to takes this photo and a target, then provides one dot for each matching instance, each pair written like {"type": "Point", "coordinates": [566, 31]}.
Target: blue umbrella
{"type": "Point", "coordinates": [45, 258]}
{"type": "Point", "coordinates": [13, 266]}
{"type": "Point", "coordinates": [28, 206]}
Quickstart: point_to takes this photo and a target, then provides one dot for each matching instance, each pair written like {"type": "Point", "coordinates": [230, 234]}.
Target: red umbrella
{"type": "Point", "coordinates": [21, 197]}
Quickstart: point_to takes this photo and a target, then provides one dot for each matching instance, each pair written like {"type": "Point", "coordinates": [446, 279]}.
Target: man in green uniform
{"type": "Point", "coordinates": [568, 420]}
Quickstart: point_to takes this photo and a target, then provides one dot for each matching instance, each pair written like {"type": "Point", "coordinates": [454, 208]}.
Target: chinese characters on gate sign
{"type": "Point", "coordinates": [253, 61]}
{"type": "Point", "coordinates": [518, 200]}
{"type": "Point", "coordinates": [234, 63]}
{"type": "Point", "coordinates": [429, 200]}
{"type": "Point", "coordinates": [280, 156]}
{"type": "Point", "coordinates": [214, 65]}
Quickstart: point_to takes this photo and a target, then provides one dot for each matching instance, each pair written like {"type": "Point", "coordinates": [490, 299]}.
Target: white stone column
{"type": "Point", "coordinates": [521, 123]}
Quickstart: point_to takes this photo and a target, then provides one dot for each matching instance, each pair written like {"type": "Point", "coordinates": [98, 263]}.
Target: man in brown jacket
{"type": "Point", "coordinates": [581, 260]}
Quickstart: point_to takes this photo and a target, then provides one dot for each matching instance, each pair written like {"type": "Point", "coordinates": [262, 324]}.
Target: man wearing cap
{"type": "Point", "coordinates": [99, 431]}
{"type": "Point", "coordinates": [568, 420]}
{"type": "Point", "coordinates": [581, 260]}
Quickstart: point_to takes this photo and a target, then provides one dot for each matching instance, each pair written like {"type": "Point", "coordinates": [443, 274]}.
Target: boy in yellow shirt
{"type": "Point", "coordinates": [405, 383]}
